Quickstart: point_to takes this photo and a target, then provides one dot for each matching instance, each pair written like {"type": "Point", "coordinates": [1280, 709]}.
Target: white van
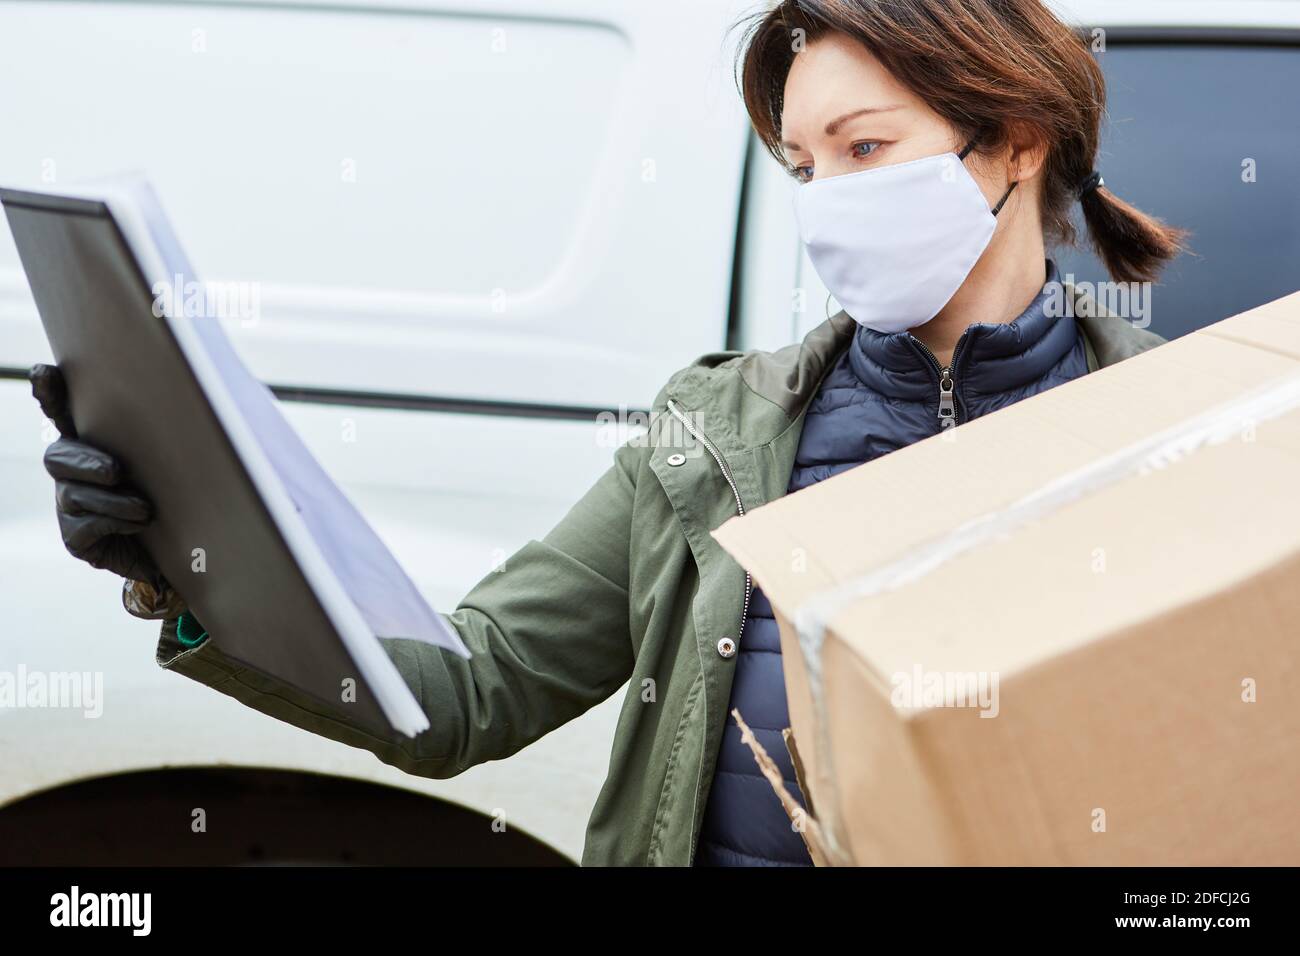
{"type": "Point", "coordinates": [480, 231]}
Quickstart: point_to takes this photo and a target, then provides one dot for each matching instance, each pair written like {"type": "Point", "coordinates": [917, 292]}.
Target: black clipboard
{"type": "Point", "coordinates": [276, 594]}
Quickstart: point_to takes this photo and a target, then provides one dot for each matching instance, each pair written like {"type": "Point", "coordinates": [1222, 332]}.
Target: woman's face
{"type": "Point", "coordinates": [843, 113]}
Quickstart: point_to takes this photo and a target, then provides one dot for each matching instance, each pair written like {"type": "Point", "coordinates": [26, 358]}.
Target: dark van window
{"type": "Point", "coordinates": [1184, 122]}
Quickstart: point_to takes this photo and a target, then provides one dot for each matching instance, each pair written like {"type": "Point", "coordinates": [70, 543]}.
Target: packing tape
{"type": "Point", "coordinates": [1165, 448]}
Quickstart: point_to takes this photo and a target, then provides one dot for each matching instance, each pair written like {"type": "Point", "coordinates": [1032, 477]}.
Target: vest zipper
{"type": "Point", "coordinates": [740, 505]}
{"type": "Point", "coordinates": [947, 384]}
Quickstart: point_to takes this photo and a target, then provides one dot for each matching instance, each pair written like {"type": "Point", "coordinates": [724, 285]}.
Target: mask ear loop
{"type": "Point", "coordinates": [1005, 196]}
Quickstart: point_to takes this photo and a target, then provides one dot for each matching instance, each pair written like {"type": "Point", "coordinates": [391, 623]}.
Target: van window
{"type": "Point", "coordinates": [1207, 137]}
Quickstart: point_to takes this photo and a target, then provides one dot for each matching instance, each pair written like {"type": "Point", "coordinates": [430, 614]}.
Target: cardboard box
{"type": "Point", "coordinates": [1064, 633]}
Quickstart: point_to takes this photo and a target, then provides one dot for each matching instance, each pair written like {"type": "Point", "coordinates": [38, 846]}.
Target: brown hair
{"type": "Point", "coordinates": [988, 67]}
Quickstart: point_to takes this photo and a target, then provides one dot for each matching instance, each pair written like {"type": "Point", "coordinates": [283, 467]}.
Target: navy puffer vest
{"type": "Point", "coordinates": [883, 393]}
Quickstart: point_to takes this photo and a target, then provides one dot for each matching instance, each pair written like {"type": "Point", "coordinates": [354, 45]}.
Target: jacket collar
{"type": "Point", "coordinates": [993, 357]}
{"type": "Point", "coordinates": [748, 401]}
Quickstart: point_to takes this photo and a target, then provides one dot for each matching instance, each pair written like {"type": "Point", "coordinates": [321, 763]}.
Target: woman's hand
{"type": "Point", "coordinates": [98, 517]}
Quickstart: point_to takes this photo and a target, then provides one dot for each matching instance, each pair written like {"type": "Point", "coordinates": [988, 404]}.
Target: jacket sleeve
{"type": "Point", "coordinates": [547, 632]}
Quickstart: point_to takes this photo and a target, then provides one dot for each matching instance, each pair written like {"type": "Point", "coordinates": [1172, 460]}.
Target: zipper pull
{"type": "Point", "coordinates": [947, 409]}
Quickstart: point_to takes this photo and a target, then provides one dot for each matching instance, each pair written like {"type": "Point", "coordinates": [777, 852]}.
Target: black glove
{"type": "Point", "coordinates": [98, 516]}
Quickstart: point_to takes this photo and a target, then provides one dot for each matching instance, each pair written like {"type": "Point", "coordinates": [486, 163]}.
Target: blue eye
{"type": "Point", "coordinates": [860, 151]}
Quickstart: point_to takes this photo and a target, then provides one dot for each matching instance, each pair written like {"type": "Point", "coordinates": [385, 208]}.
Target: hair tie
{"type": "Point", "coordinates": [1091, 183]}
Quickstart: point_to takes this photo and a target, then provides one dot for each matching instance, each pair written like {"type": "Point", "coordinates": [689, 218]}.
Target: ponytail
{"type": "Point", "coordinates": [1133, 246]}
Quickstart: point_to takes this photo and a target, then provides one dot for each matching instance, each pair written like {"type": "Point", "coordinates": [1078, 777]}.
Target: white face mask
{"type": "Point", "coordinates": [894, 244]}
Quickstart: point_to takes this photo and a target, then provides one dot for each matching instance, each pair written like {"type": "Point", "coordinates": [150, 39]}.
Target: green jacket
{"type": "Point", "coordinates": [628, 586]}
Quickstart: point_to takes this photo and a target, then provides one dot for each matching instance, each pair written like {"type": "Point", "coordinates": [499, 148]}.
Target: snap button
{"type": "Point", "coordinates": [677, 460]}
{"type": "Point", "coordinates": [726, 648]}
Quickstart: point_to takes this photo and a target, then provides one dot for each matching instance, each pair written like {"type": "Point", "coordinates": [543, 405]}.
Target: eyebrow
{"type": "Point", "coordinates": [834, 125]}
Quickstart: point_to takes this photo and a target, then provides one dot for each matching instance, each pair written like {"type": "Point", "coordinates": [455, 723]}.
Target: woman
{"type": "Point", "coordinates": [940, 145]}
